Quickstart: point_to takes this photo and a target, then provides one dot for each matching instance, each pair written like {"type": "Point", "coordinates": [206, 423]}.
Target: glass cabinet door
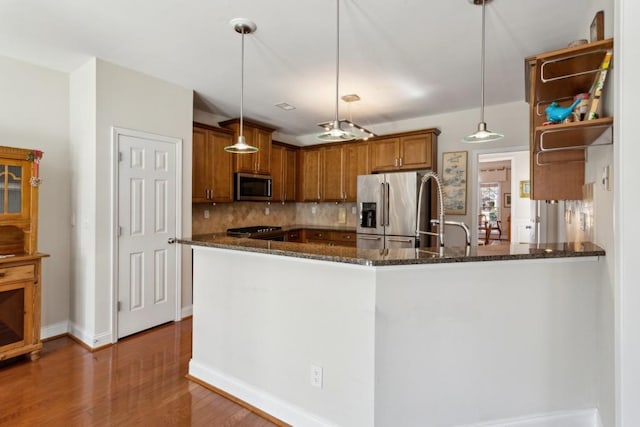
{"type": "Point", "coordinates": [11, 183]}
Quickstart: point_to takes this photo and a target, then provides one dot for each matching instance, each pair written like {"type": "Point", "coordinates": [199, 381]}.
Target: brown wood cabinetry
{"type": "Point", "coordinates": [257, 135]}
{"type": "Point", "coordinates": [558, 151]}
{"type": "Point", "coordinates": [309, 176]}
{"type": "Point", "coordinates": [328, 237]}
{"type": "Point", "coordinates": [329, 173]}
{"type": "Point", "coordinates": [212, 175]}
{"type": "Point", "coordinates": [283, 172]}
{"type": "Point", "coordinates": [406, 151]}
{"type": "Point", "coordinates": [20, 306]}
{"type": "Point", "coordinates": [20, 273]}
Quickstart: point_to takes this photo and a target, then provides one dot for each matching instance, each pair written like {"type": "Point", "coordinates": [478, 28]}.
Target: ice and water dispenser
{"type": "Point", "coordinates": [368, 215]}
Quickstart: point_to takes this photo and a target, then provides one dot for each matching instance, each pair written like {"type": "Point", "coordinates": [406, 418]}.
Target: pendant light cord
{"type": "Point", "coordinates": [482, 69]}
{"type": "Point", "coordinates": [242, 85]}
{"type": "Point", "coordinates": [336, 124]}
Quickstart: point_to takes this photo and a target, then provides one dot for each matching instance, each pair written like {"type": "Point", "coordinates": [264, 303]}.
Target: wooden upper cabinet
{"type": "Point", "coordinates": [558, 152]}
{"type": "Point", "coordinates": [407, 151]}
{"type": "Point", "coordinates": [385, 154]}
{"type": "Point", "coordinates": [283, 173]}
{"type": "Point", "coordinates": [333, 174]}
{"type": "Point", "coordinates": [309, 175]}
{"type": "Point", "coordinates": [212, 175]}
{"type": "Point", "coordinates": [257, 135]}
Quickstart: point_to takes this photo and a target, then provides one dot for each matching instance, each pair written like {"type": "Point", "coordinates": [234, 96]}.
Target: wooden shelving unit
{"type": "Point", "coordinates": [558, 151]}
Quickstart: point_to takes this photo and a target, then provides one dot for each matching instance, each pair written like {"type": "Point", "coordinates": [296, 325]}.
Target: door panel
{"type": "Point", "coordinates": [370, 199]}
{"type": "Point", "coordinates": [403, 203]}
{"type": "Point", "coordinates": [146, 219]}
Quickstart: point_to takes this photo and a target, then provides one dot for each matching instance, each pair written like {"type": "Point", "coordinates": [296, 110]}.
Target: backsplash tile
{"type": "Point", "coordinates": [242, 214]}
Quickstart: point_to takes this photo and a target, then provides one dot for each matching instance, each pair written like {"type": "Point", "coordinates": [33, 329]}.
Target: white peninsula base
{"type": "Point", "coordinates": [417, 345]}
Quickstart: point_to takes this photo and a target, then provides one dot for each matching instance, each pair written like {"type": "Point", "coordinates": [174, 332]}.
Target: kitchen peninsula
{"type": "Point", "coordinates": [401, 337]}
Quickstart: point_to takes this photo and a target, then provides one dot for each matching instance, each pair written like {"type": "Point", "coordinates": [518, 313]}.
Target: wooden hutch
{"type": "Point", "coordinates": [20, 262]}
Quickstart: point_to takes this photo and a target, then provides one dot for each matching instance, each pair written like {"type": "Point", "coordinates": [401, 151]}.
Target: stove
{"type": "Point", "coordinates": [267, 232]}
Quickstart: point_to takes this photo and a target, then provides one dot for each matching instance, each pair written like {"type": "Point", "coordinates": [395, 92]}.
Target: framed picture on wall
{"type": "Point", "coordinates": [454, 182]}
{"type": "Point", "coordinates": [507, 200]}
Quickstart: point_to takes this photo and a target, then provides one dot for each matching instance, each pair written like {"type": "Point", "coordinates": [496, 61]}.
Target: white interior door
{"type": "Point", "coordinates": [146, 220]}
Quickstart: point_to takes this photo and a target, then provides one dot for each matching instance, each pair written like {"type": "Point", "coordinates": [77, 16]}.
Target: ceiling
{"type": "Point", "coordinates": [404, 58]}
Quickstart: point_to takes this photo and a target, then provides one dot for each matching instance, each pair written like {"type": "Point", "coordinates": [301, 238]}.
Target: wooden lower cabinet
{"type": "Point", "coordinates": [328, 237]}
{"type": "Point", "coordinates": [20, 306]}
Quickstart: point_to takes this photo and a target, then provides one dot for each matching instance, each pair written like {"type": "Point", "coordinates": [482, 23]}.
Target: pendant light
{"type": "Point", "coordinates": [242, 26]}
{"type": "Point", "coordinates": [335, 133]}
{"type": "Point", "coordinates": [482, 134]}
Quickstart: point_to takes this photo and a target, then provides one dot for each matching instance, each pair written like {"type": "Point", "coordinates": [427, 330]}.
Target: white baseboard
{"type": "Point", "coordinates": [186, 311]}
{"type": "Point", "coordinates": [54, 330]}
{"type": "Point", "coordinates": [91, 341]}
{"type": "Point", "coordinates": [579, 418]}
{"type": "Point", "coordinates": [260, 399]}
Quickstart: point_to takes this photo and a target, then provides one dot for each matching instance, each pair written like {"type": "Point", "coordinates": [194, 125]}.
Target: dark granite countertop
{"type": "Point", "coordinates": [378, 257]}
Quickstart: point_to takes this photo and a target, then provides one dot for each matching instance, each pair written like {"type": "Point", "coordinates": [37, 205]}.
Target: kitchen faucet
{"type": "Point", "coordinates": [428, 175]}
{"type": "Point", "coordinates": [440, 222]}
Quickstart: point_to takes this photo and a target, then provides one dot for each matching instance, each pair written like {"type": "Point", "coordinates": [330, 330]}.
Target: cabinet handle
{"type": "Point", "coordinates": [395, 162]}
{"type": "Point", "coordinates": [400, 161]}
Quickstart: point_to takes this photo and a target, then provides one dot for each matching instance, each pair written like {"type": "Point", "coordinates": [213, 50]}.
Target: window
{"type": "Point", "coordinates": [490, 200]}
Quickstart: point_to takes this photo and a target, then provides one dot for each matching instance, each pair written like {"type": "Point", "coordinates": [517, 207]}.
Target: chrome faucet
{"type": "Point", "coordinates": [428, 175]}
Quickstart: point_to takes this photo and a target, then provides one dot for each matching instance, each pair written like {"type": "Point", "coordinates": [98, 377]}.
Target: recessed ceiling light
{"type": "Point", "coordinates": [285, 106]}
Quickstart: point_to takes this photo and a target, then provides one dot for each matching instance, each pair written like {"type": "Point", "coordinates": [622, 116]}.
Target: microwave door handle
{"type": "Point", "coordinates": [269, 183]}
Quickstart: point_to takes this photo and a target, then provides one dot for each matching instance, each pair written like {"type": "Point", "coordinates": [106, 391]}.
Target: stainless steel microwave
{"type": "Point", "coordinates": [253, 187]}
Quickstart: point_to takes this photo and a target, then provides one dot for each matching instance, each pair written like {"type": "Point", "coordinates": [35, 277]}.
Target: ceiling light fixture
{"type": "Point", "coordinates": [333, 129]}
{"type": "Point", "coordinates": [242, 26]}
{"type": "Point", "coordinates": [483, 134]}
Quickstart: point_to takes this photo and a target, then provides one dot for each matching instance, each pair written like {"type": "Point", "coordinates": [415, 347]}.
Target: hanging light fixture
{"type": "Point", "coordinates": [333, 130]}
{"type": "Point", "coordinates": [242, 26]}
{"type": "Point", "coordinates": [482, 134]}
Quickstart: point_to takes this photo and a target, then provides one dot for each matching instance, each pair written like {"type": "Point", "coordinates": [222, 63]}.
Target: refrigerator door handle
{"type": "Point", "coordinates": [386, 208]}
{"type": "Point", "coordinates": [383, 204]}
{"type": "Point", "coordinates": [369, 238]}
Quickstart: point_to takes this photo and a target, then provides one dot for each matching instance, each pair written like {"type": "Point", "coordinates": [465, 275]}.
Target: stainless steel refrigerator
{"type": "Point", "coordinates": [387, 210]}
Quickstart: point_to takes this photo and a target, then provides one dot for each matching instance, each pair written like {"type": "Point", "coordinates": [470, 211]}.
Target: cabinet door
{"type": "Point", "coordinates": [290, 173]}
{"type": "Point", "coordinates": [310, 176]}
{"type": "Point", "coordinates": [415, 152]}
{"type": "Point", "coordinates": [385, 154]}
{"type": "Point", "coordinates": [201, 174]}
{"type": "Point", "coordinates": [247, 162]}
{"type": "Point", "coordinates": [220, 167]}
{"type": "Point", "coordinates": [262, 140]}
{"type": "Point", "coordinates": [332, 174]}
{"type": "Point", "coordinates": [14, 188]}
{"type": "Point", "coordinates": [277, 173]}
{"type": "Point", "coordinates": [356, 163]}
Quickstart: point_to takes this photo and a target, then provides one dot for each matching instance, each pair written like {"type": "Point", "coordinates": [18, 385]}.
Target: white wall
{"type": "Point", "coordinates": [459, 344]}
{"type": "Point", "coordinates": [110, 96]}
{"type": "Point", "coordinates": [82, 128]}
{"type": "Point", "coordinates": [626, 208]}
{"type": "Point", "coordinates": [34, 114]}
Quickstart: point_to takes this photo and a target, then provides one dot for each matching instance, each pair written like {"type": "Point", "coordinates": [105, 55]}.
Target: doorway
{"type": "Point", "coordinates": [499, 200]}
{"type": "Point", "coordinates": [146, 218]}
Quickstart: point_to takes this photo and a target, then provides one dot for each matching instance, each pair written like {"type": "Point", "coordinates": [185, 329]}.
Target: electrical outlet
{"type": "Point", "coordinates": [206, 214]}
{"type": "Point", "coordinates": [342, 215]}
{"type": "Point", "coordinates": [314, 210]}
{"type": "Point", "coordinates": [316, 376]}
{"type": "Point", "coordinates": [266, 210]}
{"type": "Point", "coordinates": [353, 210]}
{"type": "Point", "coordinates": [605, 178]}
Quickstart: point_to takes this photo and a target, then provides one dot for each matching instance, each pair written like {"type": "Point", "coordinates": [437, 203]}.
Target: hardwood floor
{"type": "Point", "coordinates": [138, 382]}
